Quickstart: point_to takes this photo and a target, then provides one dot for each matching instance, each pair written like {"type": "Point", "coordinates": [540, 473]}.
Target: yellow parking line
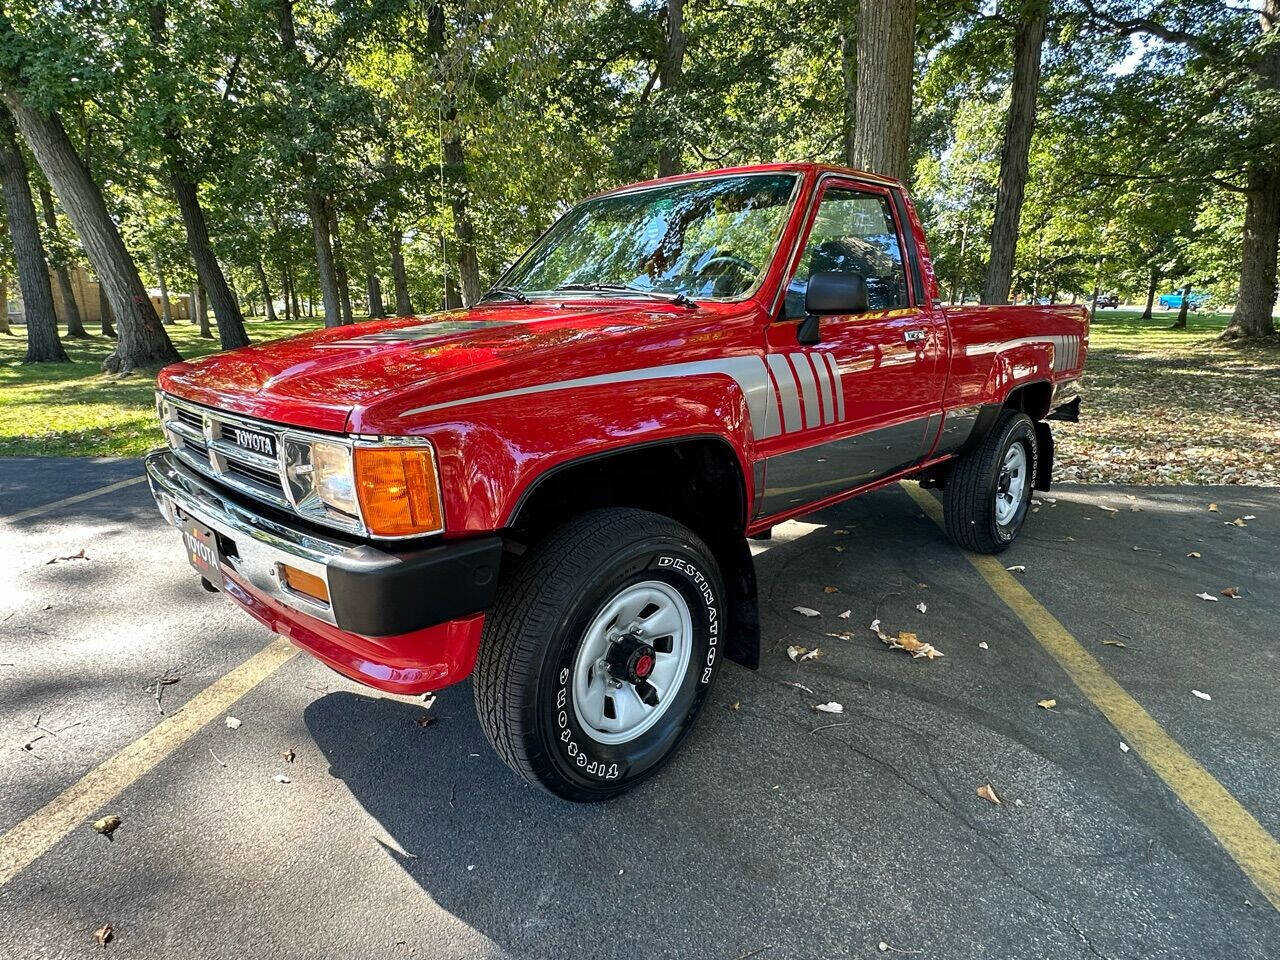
{"type": "Point", "coordinates": [30, 839]}
{"type": "Point", "coordinates": [67, 501]}
{"type": "Point", "coordinates": [1248, 843]}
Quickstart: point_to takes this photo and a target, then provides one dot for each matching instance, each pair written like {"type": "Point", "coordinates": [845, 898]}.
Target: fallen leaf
{"type": "Point", "coordinates": [1047, 704]}
{"type": "Point", "coordinates": [281, 778]}
{"type": "Point", "coordinates": [1201, 694]}
{"type": "Point", "coordinates": [1113, 643]}
{"type": "Point", "coordinates": [107, 825]}
{"type": "Point", "coordinates": [838, 548]}
{"type": "Point", "coordinates": [1248, 516]}
{"type": "Point", "coordinates": [829, 707]}
{"type": "Point", "coordinates": [983, 645]}
{"type": "Point", "coordinates": [1233, 593]}
{"type": "Point", "coordinates": [74, 556]}
{"type": "Point", "coordinates": [1124, 747]}
{"type": "Point", "coordinates": [288, 756]}
{"type": "Point", "coordinates": [233, 723]}
{"type": "Point", "coordinates": [1207, 596]}
{"type": "Point", "coordinates": [1237, 522]}
{"type": "Point", "coordinates": [909, 642]}
{"type": "Point", "coordinates": [798, 686]}
{"type": "Point", "coordinates": [988, 793]}
{"type": "Point", "coordinates": [800, 654]}
{"type": "Point", "coordinates": [806, 611]}
{"type": "Point", "coordinates": [1213, 508]}
{"type": "Point", "coordinates": [735, 706]}
{"type": "Point", "coordinates": [1108, 509]}
{"type": "Point", "coordinates": [1017, 568]}
{"type": "Point", "coordinates": [104, 935]}
{"type": "Point", "coordinates": [841, 533]}
{"type": "Point", "coordinates": [425, 720]}
{"type": "Point", "coordinates": [921, 607]}
{"type": "Point", "coordinates": [830, 589]}
{"type": "Point", "coordinates": [845, 615]}
{"type": "Point", "coordinates": [1194, 554]}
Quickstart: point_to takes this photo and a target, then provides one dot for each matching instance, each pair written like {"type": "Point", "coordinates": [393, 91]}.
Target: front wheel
{"type": "Point", "coordinates": [600, 652]}
{"type": "Point", "coordinates": [988, 493]}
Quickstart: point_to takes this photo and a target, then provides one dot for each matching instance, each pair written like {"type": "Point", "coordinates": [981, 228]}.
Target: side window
{"type": "Point", "coordinates": [853, 232]}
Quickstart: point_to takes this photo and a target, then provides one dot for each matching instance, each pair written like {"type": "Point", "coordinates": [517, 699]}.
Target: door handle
{"type": "Point", "coordinates": [915, 336]}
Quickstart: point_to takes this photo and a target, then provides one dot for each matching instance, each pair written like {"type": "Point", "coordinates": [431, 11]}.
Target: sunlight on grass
{"type": "Point", "coordinates": [73, 409]}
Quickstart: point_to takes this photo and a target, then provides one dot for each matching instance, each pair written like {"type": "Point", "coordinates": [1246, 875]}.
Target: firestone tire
{"type": "Point", "coordinates": [989, 491]}
{"type": "Point", "coordinates": [559, 683]}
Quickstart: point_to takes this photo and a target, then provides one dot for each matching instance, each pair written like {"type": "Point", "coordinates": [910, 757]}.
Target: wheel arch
{"type": "Point", "coordinates": [698, 480]}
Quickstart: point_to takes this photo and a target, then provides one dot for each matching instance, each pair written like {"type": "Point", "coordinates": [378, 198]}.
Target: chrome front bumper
{"type": "Point", "coordinates": [374, 591]}
{"type": "Point", "coordinates": [261, 545]}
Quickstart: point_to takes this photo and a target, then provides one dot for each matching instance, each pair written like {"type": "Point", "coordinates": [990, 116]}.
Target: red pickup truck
{"type": "Point", "coordinates": [552, 491]}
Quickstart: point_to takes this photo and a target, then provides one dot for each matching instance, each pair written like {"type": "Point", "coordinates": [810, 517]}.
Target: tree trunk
{"type": "Point", "coordinates": [373, 287]}
{"type": "Point", "coordinates": [404, 306]}
{"type": "Point", "coordinates": [66, 293]}
{"type": "Point", "coordinates": [340, 266]}
{"type": "Point", "coordinates": [463, 229]}
{"type": "Point", "coordinates": [286, 288]}
{"type": "Point", "coordinates": [1153, 282]}
{"type": "Point", "coordinates": [1252, 316]}
{"type": "Point", "coordinates": [1019, 125]}
{"type": "Point", "coordinates": [202, 311]}
{"type": "Point", "coordinates": [849, 76]}
{"type": "Point", "coordinates": [231, 330]}
{"type": "Point", "coordinates": [166, 311]}
{"type": "Point", "coordinates": [270, 307]}
{"type": "Point", "coordinates": [142, 341]}
{"type": "Point", "coordinates": [43, 345]}
{"type": "Point", "coordinates": [882, 105]}
{"type": "Point", "coordinates": [1181, 322]}
{"type": "Point", "coordinates": [670, 76]}
{"type": "Point", "coordinates": [4, 305]}
{"type": "Point", "coordinates": [105, 313]}
{"type": "Point", "coordinates": [325, 266]}
{"type": "Point", "coordinates": [452, 298]}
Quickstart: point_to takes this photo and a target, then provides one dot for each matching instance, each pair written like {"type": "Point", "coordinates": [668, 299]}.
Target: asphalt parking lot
{"type": "Point", "coordinates": [778, 831]}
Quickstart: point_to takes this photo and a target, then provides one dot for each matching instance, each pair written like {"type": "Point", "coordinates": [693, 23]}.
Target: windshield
{"type": "Point", "coordinates": [708, 238]}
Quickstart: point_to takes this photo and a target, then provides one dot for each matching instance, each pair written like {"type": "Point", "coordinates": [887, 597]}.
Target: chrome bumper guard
{"type": "Point", "coordinates": [262, 545]}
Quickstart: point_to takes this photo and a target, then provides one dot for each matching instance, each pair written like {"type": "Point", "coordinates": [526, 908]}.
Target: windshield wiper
{"type": "Point", "coordinates": [679, 298]}
{"type": "Point", "coordinates": [511, 292]}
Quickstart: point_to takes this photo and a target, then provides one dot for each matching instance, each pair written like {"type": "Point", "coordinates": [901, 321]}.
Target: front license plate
{"type": "Point", "coordinates": [202, 551]}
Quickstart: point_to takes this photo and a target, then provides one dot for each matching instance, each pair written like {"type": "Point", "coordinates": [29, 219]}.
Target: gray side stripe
{"type": "Point", "coordinates": [808, 390]}
{"type": "Point", "coordinates": [834, 366]}
{"type": "Point", "coordinates": [748, 372]}
{"type": "Point", "coordinates": [787, 391]}
{"type": "Point", "coordinates": [824, 384]}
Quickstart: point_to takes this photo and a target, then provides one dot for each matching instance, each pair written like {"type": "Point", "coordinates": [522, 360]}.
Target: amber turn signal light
{"type": "Point", "coordinates": [398, 490]}
{"type": "Point", "coordinates": [307, 584]}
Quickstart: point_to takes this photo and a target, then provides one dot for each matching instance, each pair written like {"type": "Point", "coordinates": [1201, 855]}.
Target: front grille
{"type": "Point", "coordinates": [204, 440]}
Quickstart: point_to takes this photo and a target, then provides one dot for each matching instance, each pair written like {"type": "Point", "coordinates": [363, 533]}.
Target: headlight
{"type": "Point", "coordinates": [394, 489]}
{"type": "Point", "coordinates": [319, 476]}
{"type": "Point", "coordinates": [331, 477]}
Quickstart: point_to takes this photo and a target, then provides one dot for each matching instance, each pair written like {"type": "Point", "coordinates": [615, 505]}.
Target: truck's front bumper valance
{"type": "Point", "coordinates": [373, 592]}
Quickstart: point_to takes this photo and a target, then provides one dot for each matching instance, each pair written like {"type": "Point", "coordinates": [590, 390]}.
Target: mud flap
{"type": "Point", "coordinates": [1044, 456]}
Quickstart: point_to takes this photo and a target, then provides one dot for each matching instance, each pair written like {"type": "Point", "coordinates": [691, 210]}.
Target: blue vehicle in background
{"type": "Point", "coordinates": [1173, 301]}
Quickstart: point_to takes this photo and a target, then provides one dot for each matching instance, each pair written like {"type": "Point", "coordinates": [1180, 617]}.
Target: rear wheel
{"type": "Point", "coordinates": [600, 651]}
{"type": "Point", "coordinates": [988, 493]}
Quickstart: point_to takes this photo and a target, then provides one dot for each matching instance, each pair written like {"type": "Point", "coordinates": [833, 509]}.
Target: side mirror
{"type": "Point", "coordinates": [836, 293]}
{"type": "Point", "coordinates": [830, 293]}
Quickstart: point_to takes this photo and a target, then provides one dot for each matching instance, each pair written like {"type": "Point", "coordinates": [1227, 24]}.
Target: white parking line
{"type": "Point", "coordinates": [67, 501]}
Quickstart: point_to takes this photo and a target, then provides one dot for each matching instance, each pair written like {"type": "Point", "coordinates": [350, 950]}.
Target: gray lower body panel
{"type": "Point", "coordinates": [826, 469]}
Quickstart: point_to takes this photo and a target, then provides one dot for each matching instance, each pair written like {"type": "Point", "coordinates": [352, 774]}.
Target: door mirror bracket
{"type": "Point", "coordinates": [808, 333]}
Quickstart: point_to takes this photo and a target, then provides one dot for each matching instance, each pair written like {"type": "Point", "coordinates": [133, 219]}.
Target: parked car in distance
{"type": "Point", "coordinates": [1173, 301]}
{"type": "Point", "coordinates": [1108, 301]}
{"type": "Point", "coordinates": [553, 490]}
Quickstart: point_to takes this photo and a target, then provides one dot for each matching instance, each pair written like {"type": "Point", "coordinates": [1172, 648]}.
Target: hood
{"type": "Point", "coordinates": [318, 379]}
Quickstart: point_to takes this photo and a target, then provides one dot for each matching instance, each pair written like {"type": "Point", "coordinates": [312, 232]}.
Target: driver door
{"type": "Point", "coordinates": [863, 402]}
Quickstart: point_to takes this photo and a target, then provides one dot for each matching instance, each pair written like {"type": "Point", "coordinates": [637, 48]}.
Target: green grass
{"type": "Point", "coordinates": [1160, 405]}
{"type": "Point", "coordinates": [1168, 406]}
{"type": "Point", "coordinates": [73, 409]}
